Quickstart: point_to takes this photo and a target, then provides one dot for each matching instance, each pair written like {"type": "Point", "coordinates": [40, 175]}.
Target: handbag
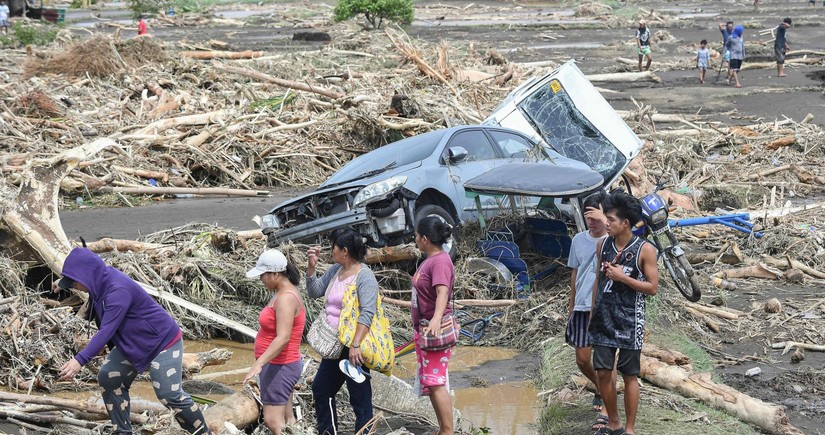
{"type": "Point", "coordinates": [377, 347]}
{"type": "Point", "coordinates": [448, 337]}
{"type": "Point", "coordinates": [322, 337]}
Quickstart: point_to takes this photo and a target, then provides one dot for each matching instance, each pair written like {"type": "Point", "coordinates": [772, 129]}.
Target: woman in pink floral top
{"type": "Point", "coordinates": [432, 291]}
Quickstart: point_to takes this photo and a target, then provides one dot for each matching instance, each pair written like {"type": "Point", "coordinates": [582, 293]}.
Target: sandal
{"type": "Point", "coordinates": [597, 402]}
{"type": "Point", "coordinates": [601, 421]}
{"type": "Point", "coordinates": [604, 430]}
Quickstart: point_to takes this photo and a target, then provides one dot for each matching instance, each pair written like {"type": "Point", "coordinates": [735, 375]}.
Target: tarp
{"type": "Point", "coordinates": [535, 179]}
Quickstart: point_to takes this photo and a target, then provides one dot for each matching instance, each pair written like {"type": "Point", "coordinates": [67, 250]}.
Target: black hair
{"type": "Point", "coordinates": [435, 229]}
{"type": "Point", "coordinates": [704, 42]}
{"type": "Point", "coordinates": [729, 22]}
{"type": "Point", "coordinates": [595, 200]}
{"type": "Point", "coordinates": [292, 273]}
{"type": "Point", "coordinates": [625, 206]}
{"type": "Point", "coordinates": [351, 240]}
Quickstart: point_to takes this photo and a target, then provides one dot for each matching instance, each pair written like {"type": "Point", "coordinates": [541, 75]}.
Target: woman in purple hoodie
{"type": "Point", "coordinates": [141, 335]}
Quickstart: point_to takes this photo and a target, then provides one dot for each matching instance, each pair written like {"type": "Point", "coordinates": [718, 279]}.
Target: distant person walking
{"type": "Point", "coordinates": [727, 30]}
{"type": "Point", "coordinates": [142, 27]}
{"type": "Point", "coordinates": [736, 46]}
{"type": "Point", "coordinates": [702, 59]}
{"type": "Point", "coordinates": [780, 46]}
{"type": "Point", "coordinates": [277, 344]}
{"type": "Point", "coordinates": [4, 17]}
{"type": "Point", "coordinates": [643, 44]}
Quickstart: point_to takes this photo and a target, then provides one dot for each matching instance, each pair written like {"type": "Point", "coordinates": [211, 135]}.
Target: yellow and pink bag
{"type": "Point", "coordinates": [377, 346]}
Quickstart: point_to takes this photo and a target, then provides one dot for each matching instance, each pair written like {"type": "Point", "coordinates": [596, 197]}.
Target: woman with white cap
{"type": "Point", "coordinates": [277, 353]}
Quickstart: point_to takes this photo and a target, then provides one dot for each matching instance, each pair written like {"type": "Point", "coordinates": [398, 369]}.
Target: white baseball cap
{"type": "Point", "coordinates": [272, 260]}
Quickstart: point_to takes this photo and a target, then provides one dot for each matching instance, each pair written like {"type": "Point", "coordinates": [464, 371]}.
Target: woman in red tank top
{"type": "Point", "coordinates": [277, 353]}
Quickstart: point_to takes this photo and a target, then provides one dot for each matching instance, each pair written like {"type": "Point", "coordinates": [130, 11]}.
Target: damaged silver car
{"type": "Point", "coordinates": [385, 192]}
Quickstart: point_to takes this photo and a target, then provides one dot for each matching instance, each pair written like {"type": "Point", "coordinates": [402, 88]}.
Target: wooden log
{"type": "Point", "coordinates": [667, 356]}
{"type": "Point", "coordinates": [157, 175]}
{"type": "Point", "coordinates": [766, 416]}
{"type": "Point", "coordinates": [645, 76]}
{"type": "Point", "coordinates": [83, 406]}
{"type": "Point", "coordinates": [241, 409]}
{"type": "Point", "coordinates": [710, 323]}
{"type": "Point", "coordinates": [782, 142]}
{"type": "Point", "coordinates": [195, 362]}
{"type": "Point", "coordinates": [712, 257]}
{"type": "Point", "coordinates": [767, 65]}
{"type": "Point", "coordinates": [107, 244]}
{"type": "Point", "coordinates": [210, 376]}
{"type": "Point", "coordinates": [767, 172]}
{"type": "Point", "coordinates": [166, 124]}
{"type": "Point", "coordinates": [184, 191]}
{"type": "Point", "coordinates": [30, 213]}
{"type": "Point", "coordinates": [298, 86]}
{"type": "Point", "coordinates": [392, 254]}
{"type": "Point", "coordinates": [788, 345]}
{"type": "Point", "coordinates": [47, 419]}
{"type": "Point", "coordinates": [216, 54]}
{"type": "Point", "coordinates": [718, 312]}
{"type": "Point", "coordinates": [753, 271]}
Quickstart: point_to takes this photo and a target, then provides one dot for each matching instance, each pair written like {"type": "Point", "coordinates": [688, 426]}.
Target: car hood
{"type": "Point", "coordinates": [350, 185]}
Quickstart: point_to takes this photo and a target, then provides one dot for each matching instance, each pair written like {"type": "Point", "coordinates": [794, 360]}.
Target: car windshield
{"type": "Point", "coordinates": [563, 127]}
{"type": "Point", "coordinates": [389, 156]}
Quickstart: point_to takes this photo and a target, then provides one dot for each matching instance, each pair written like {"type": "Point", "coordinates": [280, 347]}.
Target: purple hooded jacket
{"type": "Point", "coordinates": [129, 318]}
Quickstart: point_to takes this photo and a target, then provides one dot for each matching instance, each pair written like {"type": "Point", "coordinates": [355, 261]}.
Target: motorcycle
{"type": "Point", "coordinates": [656, 229]}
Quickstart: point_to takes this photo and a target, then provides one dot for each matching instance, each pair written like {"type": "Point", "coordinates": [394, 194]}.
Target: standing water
{"type": "Point", "coordinates": [506, 408]}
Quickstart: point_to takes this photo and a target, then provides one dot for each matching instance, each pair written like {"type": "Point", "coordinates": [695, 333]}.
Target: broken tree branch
{"type": "Point", "coordinates": [275, 80]}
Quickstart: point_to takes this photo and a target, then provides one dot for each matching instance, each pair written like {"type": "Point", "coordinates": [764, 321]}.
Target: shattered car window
{"type": "Point", "coordinates": [403, 152]}
{"type": "Point", "coordinates": [562, 126]}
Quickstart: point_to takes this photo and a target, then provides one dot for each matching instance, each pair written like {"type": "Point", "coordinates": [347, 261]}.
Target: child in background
{"type": "Point", "coordinates": [141, 26]}
{"type": "Point", "coordinates": [702, 59]}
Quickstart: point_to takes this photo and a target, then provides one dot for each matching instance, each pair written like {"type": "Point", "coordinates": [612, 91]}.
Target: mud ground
{"type": "Point", "coordinates": [764, 97]}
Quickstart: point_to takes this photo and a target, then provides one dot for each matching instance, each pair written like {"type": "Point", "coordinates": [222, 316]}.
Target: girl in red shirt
{"type": "Point", "coordinates": [277, 353]}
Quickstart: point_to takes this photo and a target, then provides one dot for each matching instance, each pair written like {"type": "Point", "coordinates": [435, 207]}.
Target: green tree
{"type": "Point", "coordinates": [376, 11]}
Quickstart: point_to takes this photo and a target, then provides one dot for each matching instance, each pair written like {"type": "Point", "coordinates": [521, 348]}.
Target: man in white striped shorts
{"type": "Point", "coordinates": [582, 260]}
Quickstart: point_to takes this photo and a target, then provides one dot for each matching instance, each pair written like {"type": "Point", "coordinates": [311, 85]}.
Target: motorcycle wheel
{"type": "Point", "coordinates": [682, 273]}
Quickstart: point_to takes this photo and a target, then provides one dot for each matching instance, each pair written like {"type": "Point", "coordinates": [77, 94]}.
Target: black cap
{"type": "Point", "coordinates": [788, 20]}
{"type": "Point", "coordinates": [65, 283]}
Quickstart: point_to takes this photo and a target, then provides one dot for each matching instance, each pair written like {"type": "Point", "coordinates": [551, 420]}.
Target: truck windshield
{"type": "Point", "coordinates": [564, 128]}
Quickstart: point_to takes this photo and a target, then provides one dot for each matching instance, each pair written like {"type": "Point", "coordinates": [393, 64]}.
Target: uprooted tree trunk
{"type": "Point", "coordinates": [240, 409]}
{"type": "Point", "coordinates": [766, 416]}
{"type": "Point", "coordinates": [30, 228]}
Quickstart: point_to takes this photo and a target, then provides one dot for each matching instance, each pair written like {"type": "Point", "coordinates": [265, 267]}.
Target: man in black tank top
{"type": "Point", "coordinates": [628, 272]}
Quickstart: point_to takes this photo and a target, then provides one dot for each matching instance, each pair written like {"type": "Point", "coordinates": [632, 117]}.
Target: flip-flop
{"type": "Point", "coordinates": [597, 401]}
{"type": "Point", "coordinates": [601, 421]}
{"type": "Point", "coordinates": [353, 372]}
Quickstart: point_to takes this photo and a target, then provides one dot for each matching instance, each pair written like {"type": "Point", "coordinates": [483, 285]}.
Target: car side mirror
{"type": "Point", "coordinates": [457, 154]}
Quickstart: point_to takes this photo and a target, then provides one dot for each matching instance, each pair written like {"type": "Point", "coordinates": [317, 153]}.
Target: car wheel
{"type": "Point", "coordinates": [451, 246]}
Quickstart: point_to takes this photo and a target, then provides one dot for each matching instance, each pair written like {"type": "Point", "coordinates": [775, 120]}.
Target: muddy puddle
{"type": "Point", "coordinates": [485, 393]}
